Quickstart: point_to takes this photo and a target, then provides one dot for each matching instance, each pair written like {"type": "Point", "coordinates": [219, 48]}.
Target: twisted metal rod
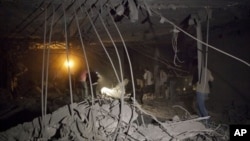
{"type": "Point", "coordinates": [67, 55]}
{"type": "Point", "coordinates": [131, 73]}
{"type": "Point", "coordinates": [114, 45]}
{"type": "Point", "coordinates": [99, 38]}
{"type": "Point", "coordinates": [47, 67]}
{"type": "Point", "coordinates": [43, 68]}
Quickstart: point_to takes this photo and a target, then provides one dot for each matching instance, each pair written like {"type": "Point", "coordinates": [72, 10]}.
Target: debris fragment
{"type": "Point", "coordinates": [98, 121]}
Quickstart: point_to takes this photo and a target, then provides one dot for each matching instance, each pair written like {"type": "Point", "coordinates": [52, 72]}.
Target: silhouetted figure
{"type": "Point", "coordinates": [148, 82]}
{"type": "Point", "coordinates": [202, 89]}
{"type": "Point", "coordinates": [87, 83]}
{"type": "Point", "coordinates": [83, 84]}
{"type": "Point", "coordinates": [93, 82]}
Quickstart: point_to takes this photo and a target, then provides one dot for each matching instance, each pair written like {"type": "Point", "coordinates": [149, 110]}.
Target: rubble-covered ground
{"type": "Point", "coordinates": [155, 119]}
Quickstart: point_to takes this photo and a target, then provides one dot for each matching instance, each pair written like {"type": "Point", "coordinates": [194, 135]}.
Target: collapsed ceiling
{"type": "Point", "coordinates": [137, 20]}
{"type": "Point", "coordinates": [29, 24]}
{"type": "Point", "coordinates": [61, 24]}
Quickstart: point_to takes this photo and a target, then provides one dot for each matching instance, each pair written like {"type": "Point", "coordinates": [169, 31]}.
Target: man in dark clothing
{"type": "Point", "coordinates": [92, 82]}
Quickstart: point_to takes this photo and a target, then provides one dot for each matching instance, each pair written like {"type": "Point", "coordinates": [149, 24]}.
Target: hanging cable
{"type": "Point", "coordinates": [191, 36]}
{"type": "Point", "coordinates": [174, 45]}
{"type": "Point", "coordinates": [161, 60]}
{"type": "Point", "coordinates": [67, 54]}
{"type": "Point", "coordinates": [206, 51]}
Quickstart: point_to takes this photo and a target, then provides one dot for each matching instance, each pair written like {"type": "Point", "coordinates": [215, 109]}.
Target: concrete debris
{"type": "Point", "coordinates": [134, 14]}
{"type": "Point", "coordinates": [99, 121]}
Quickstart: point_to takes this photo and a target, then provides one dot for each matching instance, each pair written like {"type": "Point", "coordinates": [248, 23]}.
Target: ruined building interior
{"type": "Point", "coordinates": [47, 46]}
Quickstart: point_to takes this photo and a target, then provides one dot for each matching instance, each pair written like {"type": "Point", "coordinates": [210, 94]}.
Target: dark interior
{"type": "Point", "coordinates": [37, 37]}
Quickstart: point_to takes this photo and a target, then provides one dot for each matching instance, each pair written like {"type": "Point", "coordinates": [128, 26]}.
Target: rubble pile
{"type": "Point", "coordinates": [103, 120]}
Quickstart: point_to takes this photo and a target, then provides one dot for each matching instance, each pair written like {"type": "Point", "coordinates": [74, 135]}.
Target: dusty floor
{"type": "Point", "coordinates": [183, 106]}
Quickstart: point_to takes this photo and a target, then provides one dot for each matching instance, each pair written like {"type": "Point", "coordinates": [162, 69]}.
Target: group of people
{"type": "Point", "coordinates": [202, 80]}
{"type": "Point", "coordinates": [146, 84]}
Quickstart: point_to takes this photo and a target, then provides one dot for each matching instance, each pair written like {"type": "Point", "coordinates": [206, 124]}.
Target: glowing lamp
{"type": "Point", "coordinates": [69, 63]}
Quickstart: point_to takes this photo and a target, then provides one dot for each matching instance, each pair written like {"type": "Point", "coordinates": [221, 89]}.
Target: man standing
{"type": "Point", "coordinates": [93, 83]}
{"type": "Point", "coordinates": [203, 89]}
{"type": "Point", "coordinates": [149, 83]}
{"type": "Point", "coordinates": [84, 87]}
{"type": "Point", "coordinates": [163, 81]}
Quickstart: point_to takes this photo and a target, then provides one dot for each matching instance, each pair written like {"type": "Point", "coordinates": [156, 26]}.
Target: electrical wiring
{"type": "Point", "coordinates": [191, 36]}
{"type": "Point", "coordinates": [160, 59]}
{"type": "Point", "coordinates": [206, 52]}
{"type": "Point", "coordinates": [174, 45]}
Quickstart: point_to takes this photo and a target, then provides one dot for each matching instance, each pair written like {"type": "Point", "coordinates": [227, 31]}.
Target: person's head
{"type": "Point", "coordinates": [125, 81]}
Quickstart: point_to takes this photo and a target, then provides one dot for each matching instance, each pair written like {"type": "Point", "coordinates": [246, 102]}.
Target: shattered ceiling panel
{"type": "Point", "coordinates": [138, 20]}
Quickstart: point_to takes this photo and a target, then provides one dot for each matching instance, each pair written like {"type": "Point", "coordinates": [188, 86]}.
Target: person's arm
{"type": "Point", "coordinates": [211, 78]}
{"type": "Point", "coordinates": [145, 76]}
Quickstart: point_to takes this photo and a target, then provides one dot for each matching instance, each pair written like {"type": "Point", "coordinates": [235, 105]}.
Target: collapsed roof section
{"type": "Point", "coordinates": [138, 20]}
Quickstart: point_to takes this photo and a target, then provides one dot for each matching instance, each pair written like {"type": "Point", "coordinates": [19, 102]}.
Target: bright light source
{"type": "Point", "coordinates": [69, 63]}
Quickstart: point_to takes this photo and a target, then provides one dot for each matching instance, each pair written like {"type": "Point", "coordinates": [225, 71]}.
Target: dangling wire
{"type": "Point", "coordinates": [206, 51]}
{"type": "Point", "coordinates": [193, 37]}
{"type": "Point", "coordinates": [67, 54]}
{"type": "Point", "coordinates": [174, 45]}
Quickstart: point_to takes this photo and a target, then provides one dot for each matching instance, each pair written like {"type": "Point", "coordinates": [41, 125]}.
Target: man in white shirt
{"type": "Point", "coordinates": [203, 89]}
{"type": "Point", "coordinates": [148, 81]}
